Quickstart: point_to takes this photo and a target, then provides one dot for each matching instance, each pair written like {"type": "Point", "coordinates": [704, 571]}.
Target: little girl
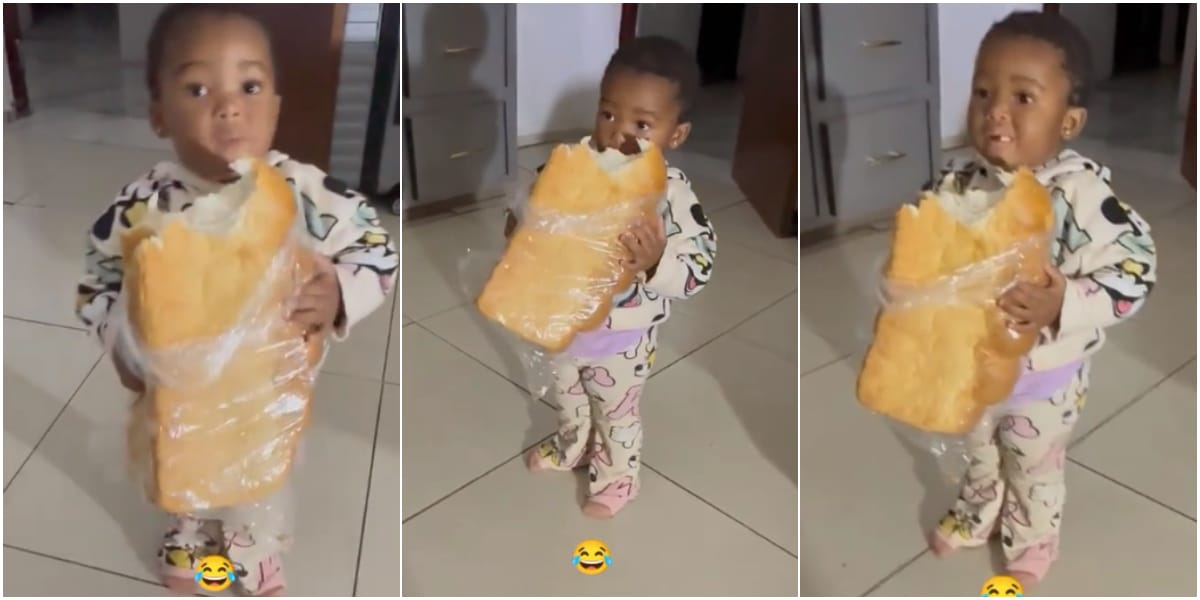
{"type": "Point", "coordinates": [1029, 98]}
{"type": "Point", "coordinates": [211, 80]}
{"type": "Point", "coordinates": [647, 87]}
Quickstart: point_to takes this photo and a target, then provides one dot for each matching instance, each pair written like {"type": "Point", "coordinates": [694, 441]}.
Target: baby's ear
{"type": "Point", "coordinates": [156, 119]}
{"type": "Point", "coordinates": [681, 133]}
{"type": "Point", "coordinates": [1073, 122]}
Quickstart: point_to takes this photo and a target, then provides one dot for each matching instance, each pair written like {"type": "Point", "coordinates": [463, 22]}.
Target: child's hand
{"type": "Point", "coordinates": [645, 243]}
{"type": "Point", "coordinates": [1033, 306]}
{"type": "Point", "coordinates": [319, 302]}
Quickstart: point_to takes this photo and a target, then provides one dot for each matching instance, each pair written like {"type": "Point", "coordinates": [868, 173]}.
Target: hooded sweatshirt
{"type": "Point", "coordinates": [340, 222]}
{"type": "Point", "coordinates": [1102, 247]}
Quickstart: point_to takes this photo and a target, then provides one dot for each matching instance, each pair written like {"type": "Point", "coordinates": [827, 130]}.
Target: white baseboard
{"type": "Point", "coordinates": [957, 140]}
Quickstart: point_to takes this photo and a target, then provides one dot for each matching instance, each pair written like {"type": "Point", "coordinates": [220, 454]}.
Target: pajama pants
{"type": "Point", "coordinates": [252, 536]}
{"type": "Point", "coordinates": [600, 421]}
{"type": "Point", "coordinates": [1015, 481]}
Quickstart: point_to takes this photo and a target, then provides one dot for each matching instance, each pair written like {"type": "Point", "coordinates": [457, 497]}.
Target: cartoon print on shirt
{"type": "Point", "coordinates": [319, 224]}
{"type": "Point", "coordinates": [1125, 285]}
{"type": "Point", "coordinates": [1069, 235]}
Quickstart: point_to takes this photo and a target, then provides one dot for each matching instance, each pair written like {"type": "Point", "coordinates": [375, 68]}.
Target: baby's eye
{"type": "Point", "coordinates": [252, 87]}
{"type": "Point", "coordinates": [607, 116]}
{"type": "Point", "coordinates": [1024, 98]}
{"type": "Point", "coordinates": [197, 90]}
{"type": "Point", "coordinates": [643, 126]}
{"type": "Point", "coordinates": [980, 93]}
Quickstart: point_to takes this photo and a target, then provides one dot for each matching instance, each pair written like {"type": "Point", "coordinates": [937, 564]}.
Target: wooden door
{"type": "Point", "coordinates": [307, 42]}
{"type": "Point", "coordinates": [764, 161]}
{"type": "Point", "coordinates": [12, 58]}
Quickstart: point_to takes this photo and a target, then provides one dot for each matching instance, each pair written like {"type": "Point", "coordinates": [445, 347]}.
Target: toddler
{"type": "Point", "coordinates": [646, 91]}
{"type": "Point", "coordinates": [211, 79]}
{"type": "Point", "coordinates": [1029, 98]}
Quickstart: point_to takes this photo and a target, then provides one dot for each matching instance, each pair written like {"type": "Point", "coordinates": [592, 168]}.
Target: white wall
{"type": "Point", "coordinates": [679, 22]}
{"type": "Point", "coordinates": [1098, 22]}
{"type": "Point", "coordinates": [960, 29]}
{"type": "Point", "coordinates": [133, 24]}
{"type": "Point", "coordinates": [562, 50]}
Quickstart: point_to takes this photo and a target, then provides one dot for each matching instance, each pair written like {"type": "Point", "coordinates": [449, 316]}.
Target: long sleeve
{"type": "Point", "coordinates": [1117, 266]}
{"type": "Point", "coordinates": [691, 250]}
{"type": "Point", "coordinates": [100, 285]}
{"type": "Point", "coordinates": [347, 229]}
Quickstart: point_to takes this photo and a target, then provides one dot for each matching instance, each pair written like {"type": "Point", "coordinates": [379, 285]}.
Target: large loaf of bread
{"type": "Point", "coordinates": [943, 351]}
{"type": "Point", "coordinates": [229, 379]}
{"type": "Point", "coordinates": [564, 262]}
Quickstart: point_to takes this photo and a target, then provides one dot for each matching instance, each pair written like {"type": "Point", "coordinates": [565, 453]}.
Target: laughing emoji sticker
{"type": "Point", "coordinates": [214, 573]}
{"type": "Point", "coordinates": [1002, 585]}
{"type": "Point", "coordinates": [591, 557]}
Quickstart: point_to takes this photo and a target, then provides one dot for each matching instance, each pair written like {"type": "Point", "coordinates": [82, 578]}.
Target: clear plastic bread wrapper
{"type": "Point", "coordinates": [944, 356]}
{"type": "Point", "coordinates": [202, 319]}
{"type": "Point", "coordinates": [565, 261]}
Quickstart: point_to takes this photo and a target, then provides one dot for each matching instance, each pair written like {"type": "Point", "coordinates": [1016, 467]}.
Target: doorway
{"type": "Point", "coordinates": [1143, 56]}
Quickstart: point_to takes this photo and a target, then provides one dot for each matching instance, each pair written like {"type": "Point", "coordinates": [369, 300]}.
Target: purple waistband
{"type": "Point", "coordinates": [1040, 385]}
{"type": "Point", "coordinates": [603, 342]}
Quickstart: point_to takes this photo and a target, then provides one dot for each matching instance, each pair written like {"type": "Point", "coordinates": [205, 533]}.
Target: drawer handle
{"type": "Point", "coordinates": [460, 50]}
{"type": "Point", "coordinates": [886, 157]}
{"type": "Point", "coordinates": [461, 154]}
{"type": "Point", "coordinates": [880, 43]}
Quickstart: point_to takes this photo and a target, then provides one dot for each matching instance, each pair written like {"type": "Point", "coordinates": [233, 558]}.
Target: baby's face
{"type": "Point", "coordinates": [217, 98]}
{"type": "Point", "coordinates": [638, 105]}
{"type": "Point", "coordinates": [1018, 114]}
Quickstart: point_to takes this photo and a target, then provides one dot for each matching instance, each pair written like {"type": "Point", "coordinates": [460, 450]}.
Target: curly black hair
{"type": "Point", "coordinates": [665, 58]}
{"type": "Point", "coordinates": [175, 16]}
{"type": "Point", "coordinates": [1056, 30]}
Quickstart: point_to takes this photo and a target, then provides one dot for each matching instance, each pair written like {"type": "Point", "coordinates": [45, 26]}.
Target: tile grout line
{"type": "Point", "coordinates": [1137, 398]}
{"type": "Point", "coordinates": [83, 565]}
{"type": "Point", "coordinates": [47, 324]}
{"type": "Point", "coordinates": [719, 510]}
{"type": "Point", "coordinates": [904, 565]}
{"type": "Point", "coordinates": [54, 422]}
{"type": "Point", "coordinates": [834, 361]}
{"type": "Point", "coordinates": [464, 486]}
{"type": "Point", "coordinates": [383, 383]}
{"type": "Point", "coordinates": [551, 406]}
{"type": "Point", "coordinates": [1140, 493]}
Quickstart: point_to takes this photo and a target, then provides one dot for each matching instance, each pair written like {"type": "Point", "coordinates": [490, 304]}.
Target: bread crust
{"type": "Point", "coordinates": [563, 264]}
{"type": "Point", "coordinates": [937, 365]}
{"type": "Point", "coordinates": [220, 439]}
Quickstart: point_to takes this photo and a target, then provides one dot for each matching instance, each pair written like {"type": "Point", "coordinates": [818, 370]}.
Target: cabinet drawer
{"type": "Point", "coordinates": [867, 49]}
{"type": "Point", "coordinates": [458, 151]}
{"type": "Point", "coordinates": [879, 159]}
{"type": "Point", "coordinates": [454, 48]}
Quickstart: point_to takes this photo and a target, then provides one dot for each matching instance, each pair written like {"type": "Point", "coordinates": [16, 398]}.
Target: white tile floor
{"type": "Point", "coordinates": [73, 525]}
{"type": "Point", "coordinates": [720, 468]}
{"type": "Point", "coordinates": [867, 498]}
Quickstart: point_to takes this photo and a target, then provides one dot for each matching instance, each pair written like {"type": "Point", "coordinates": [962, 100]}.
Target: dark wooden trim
{"type": "Point", "coordinates": [12, 58]}
{"type": "Point", "coordinates": [386, 54]}
{"type": "Point", "coordinates": [628, 30]}
{"type": "Point", "coordinates": [1187, 162]}
{"type": "Point", "coordinates": [1051, 8]}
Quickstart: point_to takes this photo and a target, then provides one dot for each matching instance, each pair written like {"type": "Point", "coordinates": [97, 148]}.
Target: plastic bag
{"type": "Point", "coordinates": [565, 261]}
{"type": "Point", "coordinates": [960, 308]}
{"type": "Point", "coordinates": [221, 419]}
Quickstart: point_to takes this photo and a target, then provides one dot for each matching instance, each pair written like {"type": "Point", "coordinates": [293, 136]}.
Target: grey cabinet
{"type": "Point", "coordinates": [869, 109]}
{"type": "Point", "coordinates": [459, 110]}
